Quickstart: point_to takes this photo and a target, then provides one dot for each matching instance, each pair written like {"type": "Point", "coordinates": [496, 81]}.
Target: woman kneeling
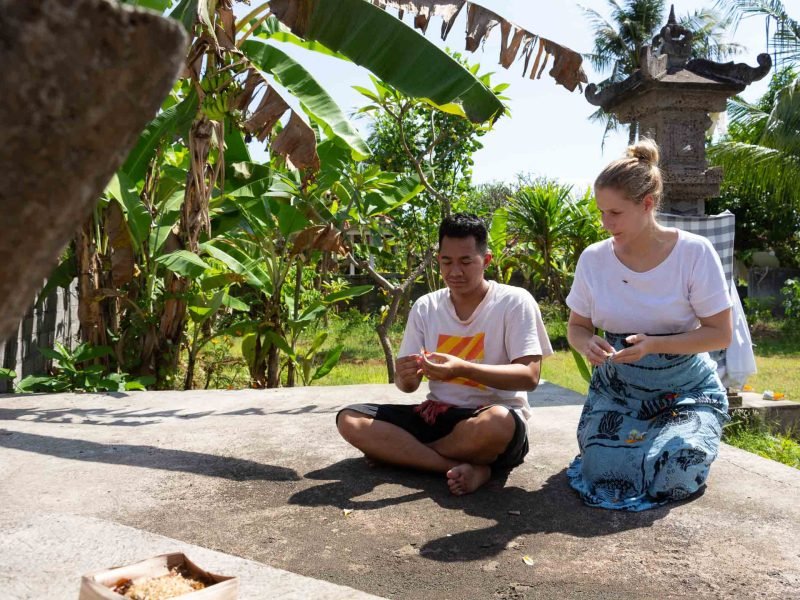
{"type": "Point", "coordinates": [652, 421]}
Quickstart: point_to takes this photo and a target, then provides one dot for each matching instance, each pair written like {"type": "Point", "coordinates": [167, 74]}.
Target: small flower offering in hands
{"type": "Point", "coordinates": [422, 353]}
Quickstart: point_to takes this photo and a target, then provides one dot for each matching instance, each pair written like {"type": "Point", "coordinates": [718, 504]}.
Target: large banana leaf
{"type": "Point", "coordinates": [186, 13]}
{"type": "Point", "coordinates": [184, 263]}
{"type": "Point", "coordinates": [231, 254]}
{"type": "Point", "coordinates": [159, 5]}
{"type": "Point", "coordinates": [136, 214]}
{"type": "Point", "coordinates": [166, 124]}
{"type": "Point", "coordinates": [272, 29]}
{"type": "Point", "coordinates": [372, 38]}
{"type": "Point", "coordinates": [316, 101]}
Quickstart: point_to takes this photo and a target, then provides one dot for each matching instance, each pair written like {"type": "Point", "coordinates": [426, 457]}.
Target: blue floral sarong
{"type": "Point", "coordinates": [649, 430]}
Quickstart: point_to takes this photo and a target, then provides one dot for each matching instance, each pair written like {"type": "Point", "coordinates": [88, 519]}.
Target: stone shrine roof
{"type": "Point", "coordinates": [665, 65]}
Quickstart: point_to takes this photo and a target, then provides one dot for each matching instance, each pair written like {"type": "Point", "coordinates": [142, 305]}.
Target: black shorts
{"type": "Point", "coordinates": [403, 416]}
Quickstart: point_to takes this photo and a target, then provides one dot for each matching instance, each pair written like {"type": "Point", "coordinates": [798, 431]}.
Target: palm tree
{"type": "Point", "coordinates": [761, 154]}
{"type": "Point", "coordinates": [785, 38]}
{"type": "Point", "coordinates": [618, 41]}
{"type": "Point", "coordinates": [541, 217]}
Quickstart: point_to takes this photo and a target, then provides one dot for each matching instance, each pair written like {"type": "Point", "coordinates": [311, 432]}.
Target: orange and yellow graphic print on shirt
{"type": "Point", "coordinates": [467, 348]}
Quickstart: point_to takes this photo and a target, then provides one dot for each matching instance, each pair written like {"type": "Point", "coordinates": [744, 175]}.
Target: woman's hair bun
{"type": "Point", "coordinates": [645, 150]}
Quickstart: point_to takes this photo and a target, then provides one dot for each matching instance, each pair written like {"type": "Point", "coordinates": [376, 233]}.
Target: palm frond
{"type": "Point", "coordinates": [758, 169]}
{"type": "Point", "coordinates": [782, 130]}
{"type": "Point", "coordinates": [736, 10]}
{"type": "Point", "coordinates": [709, 29]}
{"type": "Point", "coordinates": [785, 41]}
{"type": "Point", "coordinates": [748, 117]}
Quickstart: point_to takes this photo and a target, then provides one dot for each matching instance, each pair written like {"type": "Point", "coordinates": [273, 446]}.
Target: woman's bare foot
{"type": "Point", "coordinates": [466, 478]}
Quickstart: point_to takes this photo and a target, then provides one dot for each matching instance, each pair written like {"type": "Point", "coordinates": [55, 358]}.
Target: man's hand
{"type": "Point", "coordinates": [441, 367]}
{"type": "Point", "coordinates": [640, 346]}
{"type": "Point", "coordinates": [407, 372]}
{"type": "Point", "coordinates": [598, 350]}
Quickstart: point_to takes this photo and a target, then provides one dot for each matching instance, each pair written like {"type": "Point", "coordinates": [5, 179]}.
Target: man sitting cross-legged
{"type": "Point", "coordinates": [489, 340]}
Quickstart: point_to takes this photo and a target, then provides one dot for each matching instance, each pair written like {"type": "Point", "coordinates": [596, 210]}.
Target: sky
{"type": "Point", "coordinates": [548, 132]}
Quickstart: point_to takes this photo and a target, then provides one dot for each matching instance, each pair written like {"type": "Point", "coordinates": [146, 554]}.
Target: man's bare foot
{"type": "Point", "coordinates": [466, 478]}
{"type": "Point", "coordinates": [373, 463]}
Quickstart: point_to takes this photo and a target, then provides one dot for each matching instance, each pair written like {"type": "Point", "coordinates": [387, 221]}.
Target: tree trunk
{"type": "Point", "coordinates": [258, 372]}
{"type": "Point", "coordinates": [395, 293]}
{"type": "Point", "coordinates": [273, 367]}
{"type": "Point", "coordinates": [384, 327]}
{"type": "Point", "coordinates": [290, 370]}
{"type": "Point", "coordinates": [170, 331]}
{"type": "Point", "coordinates": [209, 374]}
{"type": "Point", "coordinates": [273, 319]}
{"type": "Point", "coordinates": [298, 286]}
{"type": "Point", "coordinates": [90, 313]}
{"type": "Point", "coordinates": [188, 383]}
{"type": "Point", "coordinates": [383, 336]}
{"type": "Point", "coordinates": [194, 219]}
{"type": "Point", "coordinates": [405, 301]}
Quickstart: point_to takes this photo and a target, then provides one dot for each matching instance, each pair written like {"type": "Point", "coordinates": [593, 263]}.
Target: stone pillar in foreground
{"type": "Point", "coordinates": [80, 80]}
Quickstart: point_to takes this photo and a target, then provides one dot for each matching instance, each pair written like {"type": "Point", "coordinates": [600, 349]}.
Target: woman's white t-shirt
{"type": "Point", "coordinates": [667, 299]}
{"type": "Point", "coordinates": [506, 325]}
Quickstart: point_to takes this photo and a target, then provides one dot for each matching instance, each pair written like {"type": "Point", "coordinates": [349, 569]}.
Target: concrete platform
{"type": "Point", "coordinates": [69, 546]}
{"type": "Point", "coordinates": [262, 475]}
{"type": "Point", "coordinates": [781, 415]}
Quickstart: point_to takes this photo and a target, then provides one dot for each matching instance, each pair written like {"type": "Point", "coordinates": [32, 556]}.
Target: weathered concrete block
{"type": "Point", "coordinates": [80, 80]}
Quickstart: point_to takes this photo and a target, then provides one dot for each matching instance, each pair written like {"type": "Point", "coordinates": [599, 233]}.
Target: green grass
{"type": "Point", "coordinates": [349, 373]}
{"type": "Point", "coordinates": [779, 374]}
{"type": "Point", "coordinates": [560, 369]}
{"type": "Point", "coordinates": [777, 350]}
{"type": "Point", "coordinates": [748, 432]}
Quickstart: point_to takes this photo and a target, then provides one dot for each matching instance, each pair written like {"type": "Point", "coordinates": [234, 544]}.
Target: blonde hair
{"type": "Point", "coordinates": [637, 175]}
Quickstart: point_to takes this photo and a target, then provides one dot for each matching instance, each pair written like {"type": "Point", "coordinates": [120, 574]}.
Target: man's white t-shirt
{"type": "Point", "coordinates": [506, 325]}
{"type": "Point", "coordinates": [667, 299]}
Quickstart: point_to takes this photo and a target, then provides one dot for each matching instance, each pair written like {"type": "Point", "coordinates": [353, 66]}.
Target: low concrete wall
{"type": "Point", "coordinates": [783, 416]}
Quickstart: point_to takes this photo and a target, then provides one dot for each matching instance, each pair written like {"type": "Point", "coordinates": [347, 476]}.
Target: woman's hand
{"type": "Point", "coordinates": [598, 350]}
{"type": "Point", "coordinates": [640, 346]}
{"type": "Point", "coordinates": [441, 367]}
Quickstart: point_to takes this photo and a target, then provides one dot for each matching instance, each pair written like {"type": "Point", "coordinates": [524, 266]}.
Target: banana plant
{"type": "Point", "coordinates": [71, 373]}
{"type": "Point", "coordinates": [264, 241]}
{"type": "Point", "coordinates": [306, 359]}
{"type": "Point", "coordinates": [501, 246]}
{"type": "Point", "coordinates": [205, 305]}
{"type": "Point", "coordinates": [7, 375]}
{"type": "Point", "coordinates": [164, 198]}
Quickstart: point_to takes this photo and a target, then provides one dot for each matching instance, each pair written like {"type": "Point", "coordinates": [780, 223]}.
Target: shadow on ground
{"type": "Point", "coordinates": [97, 416]}
{"type": "Point", "coordinates": [553, 508]}
{"type": "Point", "coordinates": [150, 457]}
{"type": "Point", "coordinates": [126, 417]}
